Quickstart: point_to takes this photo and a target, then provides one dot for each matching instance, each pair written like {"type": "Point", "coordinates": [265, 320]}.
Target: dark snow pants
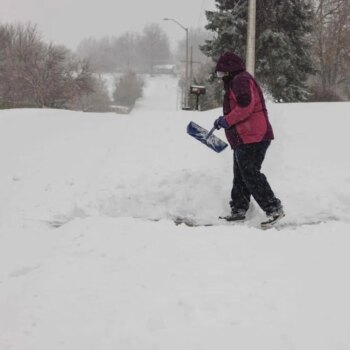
{"type": "Point", "coordinates": [248, 180]}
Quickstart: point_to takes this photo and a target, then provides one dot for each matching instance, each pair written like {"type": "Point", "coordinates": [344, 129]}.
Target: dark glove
{"type": "Point", "coordinates": [221, 123]}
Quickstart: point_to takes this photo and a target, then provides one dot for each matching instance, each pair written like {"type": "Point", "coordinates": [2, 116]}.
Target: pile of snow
{"type": "Point", "coordinates": [90, 257]}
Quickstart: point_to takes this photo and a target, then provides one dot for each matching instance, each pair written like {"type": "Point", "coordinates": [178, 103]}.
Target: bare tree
{"type": "Point", "coordinates": [62, 77]}
{"type": "Point", "coordinates": [331, 41]}
{"type": "Point", "coordinates": [154, 46]}
{"type": "Point", "coordinates": [35, 74]}
{"type": "Point", "coordinates": [21, 48]}
{"type": "Point", "coordinates": [96, 101]}
{"type": "Point", "coordinates": [99, 53]}
{"type": "Point", "coordinates": [124, 50]}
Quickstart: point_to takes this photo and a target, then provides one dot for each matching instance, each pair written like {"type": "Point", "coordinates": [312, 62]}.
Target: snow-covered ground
{"type": "Point", "coordinates": [90, 257]}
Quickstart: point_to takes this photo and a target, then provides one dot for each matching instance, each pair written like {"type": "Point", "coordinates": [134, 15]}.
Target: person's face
{"type": "Point", "coordinates": [222, 74]}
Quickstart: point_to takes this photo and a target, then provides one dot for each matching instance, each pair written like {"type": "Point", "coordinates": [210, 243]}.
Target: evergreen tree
{"type": "Point", "coordinates": [283, 61]}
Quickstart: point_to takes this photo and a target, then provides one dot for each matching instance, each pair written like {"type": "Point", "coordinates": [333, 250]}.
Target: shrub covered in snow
{"type": "Point", "coordinates": [128, 89]}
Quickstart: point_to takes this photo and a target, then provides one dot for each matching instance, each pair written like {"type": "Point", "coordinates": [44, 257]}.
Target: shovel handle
{"type": "Point", "coordinates": [210, 132]}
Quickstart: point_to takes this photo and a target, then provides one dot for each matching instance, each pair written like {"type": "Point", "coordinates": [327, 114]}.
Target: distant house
{"type": "Point", "coordinates": [164, 69]}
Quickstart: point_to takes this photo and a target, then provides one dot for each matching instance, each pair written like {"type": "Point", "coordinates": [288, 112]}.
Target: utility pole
{"type": "Point", "coordinates": [186, 72]}
{"type": "Point", "coordinates": [187, 59]}
{"type": "Point", "coordinates": [250, 58]}
{"type": "Point", "coordinates": [191, 65]}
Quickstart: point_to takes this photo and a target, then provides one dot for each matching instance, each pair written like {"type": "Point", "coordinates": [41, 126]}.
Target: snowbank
{"type": "Point", "coordinates": [91, 257]}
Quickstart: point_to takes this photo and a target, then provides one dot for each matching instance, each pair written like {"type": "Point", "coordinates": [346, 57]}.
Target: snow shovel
{"type": "Point", "coordinates": [206, 137]}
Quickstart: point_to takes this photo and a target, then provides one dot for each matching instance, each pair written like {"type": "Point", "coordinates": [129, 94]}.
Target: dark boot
{"type": "Point", "coordinates": [273, 217]}
{"type": "Point", "coordinates": [236, 215]}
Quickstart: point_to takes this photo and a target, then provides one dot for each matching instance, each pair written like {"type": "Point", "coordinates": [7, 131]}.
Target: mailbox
{"type": "Point", "coordinates": [197, 90]}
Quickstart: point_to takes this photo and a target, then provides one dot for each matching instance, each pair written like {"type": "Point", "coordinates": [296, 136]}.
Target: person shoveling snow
{"type": "Point", "coordinates": [249, 133]}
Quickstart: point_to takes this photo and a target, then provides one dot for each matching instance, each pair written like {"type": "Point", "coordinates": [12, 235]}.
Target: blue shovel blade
{"type": "Point", "coordinates": [206, 137]}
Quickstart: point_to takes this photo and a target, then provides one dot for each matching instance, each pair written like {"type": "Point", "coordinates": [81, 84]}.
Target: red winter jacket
{"type": "Point", "coordinates": [244, 104]}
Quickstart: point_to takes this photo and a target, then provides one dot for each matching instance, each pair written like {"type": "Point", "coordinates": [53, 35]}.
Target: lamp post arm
{"type": "Point", "coordinates": [178, 23]}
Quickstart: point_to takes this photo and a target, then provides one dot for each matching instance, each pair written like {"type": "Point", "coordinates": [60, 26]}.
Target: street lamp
{"type": "Point", "coordinates": [186, 69]}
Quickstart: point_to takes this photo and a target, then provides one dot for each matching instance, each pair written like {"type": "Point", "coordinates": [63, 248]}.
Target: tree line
{"type": "Point", "coordinates": [129, 51]}
{"type": "Point", "coordinates": [302, 54]}
{"type": "Point", "coordinates": [36, 74]}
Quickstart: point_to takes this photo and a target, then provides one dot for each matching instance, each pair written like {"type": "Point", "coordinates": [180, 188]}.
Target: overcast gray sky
{"type": "Point", "coordinates": [69, 21]}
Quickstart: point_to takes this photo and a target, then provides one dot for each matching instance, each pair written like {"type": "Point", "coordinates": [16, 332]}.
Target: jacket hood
{"type": "Point", "coordinates": [230, 62]}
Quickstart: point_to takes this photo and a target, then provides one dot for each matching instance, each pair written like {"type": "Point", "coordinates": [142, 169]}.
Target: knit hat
{"type": "Point", "coordinates": [229, 62]}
